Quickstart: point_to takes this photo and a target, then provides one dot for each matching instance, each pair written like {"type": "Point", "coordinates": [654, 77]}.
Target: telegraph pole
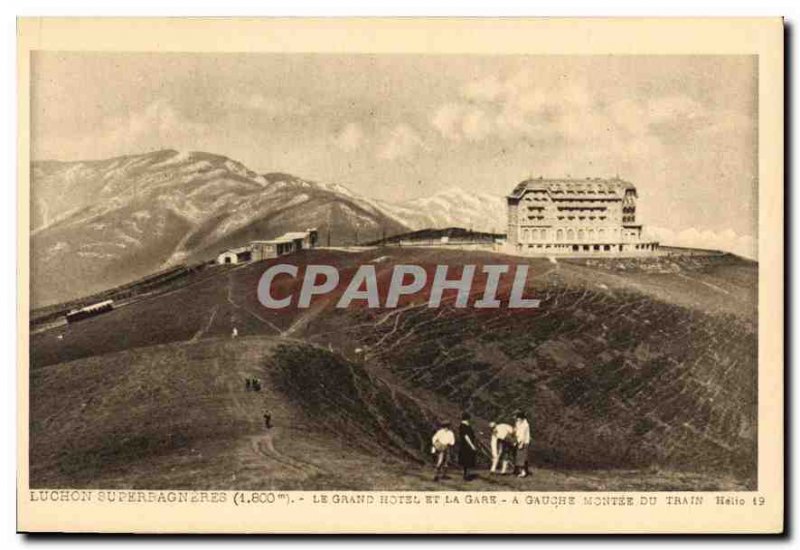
{"type": "Point", "coordinates": [329, 227]}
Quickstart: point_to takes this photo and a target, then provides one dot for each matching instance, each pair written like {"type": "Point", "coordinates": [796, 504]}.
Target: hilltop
{"type": "Point", "coordinates": [637, 376]}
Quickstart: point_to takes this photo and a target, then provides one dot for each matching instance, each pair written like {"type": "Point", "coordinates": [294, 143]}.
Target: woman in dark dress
{"type": "Point", "coordinates": [466, 445]}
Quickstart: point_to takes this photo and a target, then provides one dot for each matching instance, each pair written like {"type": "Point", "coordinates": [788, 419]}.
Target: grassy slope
{"type": "Point", "coordinates": [178, 416]}
{"type": "Point", "coordinates": [646, 368]}
{"type": "Point", "coordinates": [151, 395]}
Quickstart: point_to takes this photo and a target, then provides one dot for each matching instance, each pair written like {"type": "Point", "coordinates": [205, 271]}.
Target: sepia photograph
{"type": "Point", "coordinates": [388, 277]}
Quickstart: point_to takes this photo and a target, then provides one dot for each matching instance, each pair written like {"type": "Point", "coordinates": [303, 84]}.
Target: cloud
{"type": "Point", "coordinates": [390, 143]}
{"type": "Point", "coordinates": [674, 108]}
{"type": "Point", "coordinates": [350, 137]}
{"type": "Point", "coordinates": [486, 89]}
{"type": "Point", "coordinates": [567, 109]}
{"type": "Point", "coordinates": [459, 121]}
{"type": "Point", "coordinates": [727, 240]}
{"type": "Point", "coordinates": [512, 108]}
{"type": "Point", "coordinates": [401, 141]}
{"type": "Point", "coordinates": [157, 126]}
{"type": "Point", "coordinates": [274, 106]}
{"type": "Point", "coordinates": [447, 120]}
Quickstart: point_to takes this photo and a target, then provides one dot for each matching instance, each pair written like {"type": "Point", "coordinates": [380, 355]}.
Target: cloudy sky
{"type": "Point", "coordinates": [683, 129]}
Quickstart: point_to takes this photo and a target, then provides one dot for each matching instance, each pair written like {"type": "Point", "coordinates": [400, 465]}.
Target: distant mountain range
{"type": "Point", "coordinates": [452, 208]}
{"type": "Point", "coordinates": [97, 224]}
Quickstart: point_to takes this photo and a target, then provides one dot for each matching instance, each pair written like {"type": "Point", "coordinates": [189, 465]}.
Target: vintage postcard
{"type": "Point", "coordinates": [401, 275]}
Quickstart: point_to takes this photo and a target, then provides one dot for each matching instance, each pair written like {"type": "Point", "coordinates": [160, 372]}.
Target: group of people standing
{"type": "Point", "coordinates": [510, 446]}
{"type": "Point", "coordinates": [252, 384]}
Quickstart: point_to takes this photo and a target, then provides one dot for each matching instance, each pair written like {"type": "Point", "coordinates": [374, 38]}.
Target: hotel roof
{"type": "Point", "coordinates": [565, 186]}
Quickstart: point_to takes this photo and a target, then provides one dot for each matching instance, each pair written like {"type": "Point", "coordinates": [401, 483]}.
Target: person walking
{"type": "Point", "coordinates": [267, 420]}
{"type": "Point", "coordinates": [522, 433]}
{"type": "Point", "coordinates": [441, 443]}
{"type": "Point", "coordinates": [502, 444]}
{"type": "Point", "coordinates": [466, 445]}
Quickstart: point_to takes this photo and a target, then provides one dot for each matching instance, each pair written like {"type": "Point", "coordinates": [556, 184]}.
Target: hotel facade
{"type": "Point", "coordinates": [592, 216]}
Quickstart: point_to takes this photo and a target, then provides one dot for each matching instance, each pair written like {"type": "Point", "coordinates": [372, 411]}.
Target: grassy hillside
{"type": "Point", "coordinates": [178, 416]}
{"type": "Point", "coordinates": [637, 375]}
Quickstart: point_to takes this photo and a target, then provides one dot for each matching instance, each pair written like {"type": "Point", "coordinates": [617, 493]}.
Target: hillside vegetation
{"type": "Point", "coordinates": [636, 375]}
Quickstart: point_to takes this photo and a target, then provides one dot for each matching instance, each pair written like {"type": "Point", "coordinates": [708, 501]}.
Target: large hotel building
{"type": "Point", "coordinates": [568, 216]}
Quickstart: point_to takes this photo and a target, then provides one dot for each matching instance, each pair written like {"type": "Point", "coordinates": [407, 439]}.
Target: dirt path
{"type": "Point", "coordinates": [264, 446]}
{"type": "Point", "coordinates": [229, 298]}
{"type": "Point", "coordinates": [304, 319]}
{"type": "Point", "coordinates": [712, 286]}
{"type": "Point", "coordinates": [199, 334]}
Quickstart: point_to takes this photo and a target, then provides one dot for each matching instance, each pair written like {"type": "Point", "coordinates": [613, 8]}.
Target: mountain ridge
{"type": "Point", "coordinates": [101, 223]}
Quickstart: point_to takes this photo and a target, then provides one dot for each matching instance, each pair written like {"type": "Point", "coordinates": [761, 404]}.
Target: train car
{"type": "Point", "coordinates": [89, 311]}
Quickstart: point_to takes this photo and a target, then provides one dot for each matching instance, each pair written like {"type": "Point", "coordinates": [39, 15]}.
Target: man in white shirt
{"type": "Point", "coordinates": [502, 443]}
{"type": "Point", "coordinates": [522, 431]}
{"type": "Point", "coordinates": [441, 443]}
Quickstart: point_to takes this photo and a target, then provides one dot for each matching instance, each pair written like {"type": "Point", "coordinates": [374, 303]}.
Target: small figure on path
{"type": "Point", "coordinates": [267, 420]}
